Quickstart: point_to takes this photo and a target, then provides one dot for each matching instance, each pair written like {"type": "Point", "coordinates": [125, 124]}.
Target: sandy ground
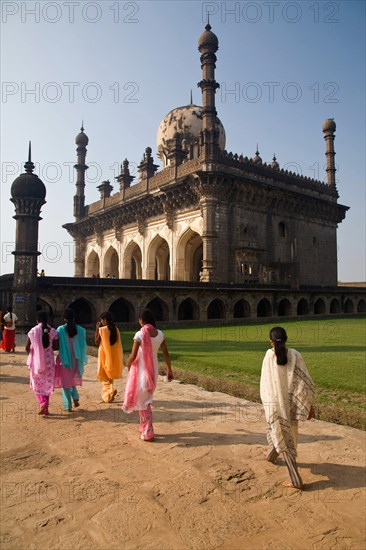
{"type": "Point", "coordinates": [84, 480]}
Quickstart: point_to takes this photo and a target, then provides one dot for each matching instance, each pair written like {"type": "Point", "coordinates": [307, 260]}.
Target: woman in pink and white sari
{"type": "Point", "coordinates": [41, 341]}
{"type": "Point", "coordinates": [143, 366]}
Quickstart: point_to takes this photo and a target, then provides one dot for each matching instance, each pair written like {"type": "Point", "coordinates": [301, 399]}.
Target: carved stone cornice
{"type": "Point", "coordinates": [213, 186]}
{"type": "Point", "coordinates": [291, 204]}
{"type": "Point", "coordinates": [257, 192]}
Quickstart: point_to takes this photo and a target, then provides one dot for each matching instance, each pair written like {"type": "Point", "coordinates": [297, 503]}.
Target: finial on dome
{"type": "Point", "coordinates": [257, 159]}
{"type": "Point", "coordinates": [29, 166]}
{"type": "Point", "coordinates": [82, 139]}
{"type": "Point", "coordinates": [275, 164]}
{"type": "Point", "coordinates": [208, 26]}
{"type": "Point", "coordinates": [191, 99]}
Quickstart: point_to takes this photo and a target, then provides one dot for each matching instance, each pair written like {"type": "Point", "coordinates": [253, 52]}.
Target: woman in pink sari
{"type": "Point", "coordinates": [143, 366]}
{"type": "Point", "coordinates": [40, 344]}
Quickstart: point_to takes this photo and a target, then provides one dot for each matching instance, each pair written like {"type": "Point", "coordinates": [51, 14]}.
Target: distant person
{"type": "Point", "coordinates": [41, 341]}
{"type": "Point", "coordinates": [143, 366]}
{"type": "Point", "coordinates": [42, 274]}
{"type": "Point", "coordinates": [287, 394]}
{"type": "Point", "coordinates": [71, 359]}
{"type": "Point", "coordinates": [9, 320]}
{"type": "Point", "coordinates": [110, 355]}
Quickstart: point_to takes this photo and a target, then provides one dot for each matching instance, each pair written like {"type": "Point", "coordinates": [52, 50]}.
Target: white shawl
{"type": "Point", "coordinates": [287, 393]}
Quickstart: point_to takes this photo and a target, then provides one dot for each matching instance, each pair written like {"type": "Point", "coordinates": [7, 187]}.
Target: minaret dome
{"type": "Point", "coordinates": [28, 185]}
{"type": "Point", "coordinates": [82, 139]}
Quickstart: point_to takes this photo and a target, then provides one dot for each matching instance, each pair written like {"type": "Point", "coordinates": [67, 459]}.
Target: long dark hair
{"type": "Point", "coordinates": [147, 317]}
{"type": "Point", "coordinates": [10, 310]}
{"type": "Point", "coordinates": [42, 317]}
{"type": "Point", "coordinates": [69, 316]}
{"type": "Point", "coordinates": [279, 338]}
{"type": "Point", "coordinates": [108, 318]}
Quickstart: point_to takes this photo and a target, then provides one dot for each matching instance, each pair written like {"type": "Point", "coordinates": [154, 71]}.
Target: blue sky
{"type": "Point", "coordinates": [283, 68]}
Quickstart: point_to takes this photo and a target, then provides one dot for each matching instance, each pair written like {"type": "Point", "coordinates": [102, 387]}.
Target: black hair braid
{"type": "Point", "coordinates": [42, 317]}
{"type": "Point", "coordinates": [108, 317]}
{"type": "Point", "coordinates": [279, 338]}
{"type": "Point", "coordinates": [69, 317]}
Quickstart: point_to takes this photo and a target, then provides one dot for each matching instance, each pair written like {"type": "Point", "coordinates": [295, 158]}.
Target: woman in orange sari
{"type": "Point", "coordinates": [110, 355]}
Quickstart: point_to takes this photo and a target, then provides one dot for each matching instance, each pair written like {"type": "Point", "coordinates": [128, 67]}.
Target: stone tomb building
{"type": "Point", "coordinates": [208, 215]}
{"type": "Point", "coordinates": [211, 235]}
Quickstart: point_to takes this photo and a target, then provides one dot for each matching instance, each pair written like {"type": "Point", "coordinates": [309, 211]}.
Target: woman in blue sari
{"type": "Point", "coordinates": [71, 359]}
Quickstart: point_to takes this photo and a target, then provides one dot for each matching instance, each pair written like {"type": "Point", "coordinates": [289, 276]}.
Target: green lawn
{"type": "Point", "coordinates": [333, 349]}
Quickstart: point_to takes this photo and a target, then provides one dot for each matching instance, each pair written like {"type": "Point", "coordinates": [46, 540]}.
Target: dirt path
{"type": "Point", "coordinates": [85, 481]}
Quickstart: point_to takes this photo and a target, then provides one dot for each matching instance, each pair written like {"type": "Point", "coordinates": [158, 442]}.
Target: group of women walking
{"type": "Point", "coordinates": [286, 388]}
{"type": "Point", "coordinates": [66, 371]}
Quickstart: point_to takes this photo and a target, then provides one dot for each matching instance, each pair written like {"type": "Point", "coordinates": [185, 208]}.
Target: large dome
{"type": "Point", "coordinates": [188, 122]}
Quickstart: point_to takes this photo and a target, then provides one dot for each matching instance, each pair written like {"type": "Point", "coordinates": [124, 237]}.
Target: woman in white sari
{"type": "Point", "coordinates": [287, 393]}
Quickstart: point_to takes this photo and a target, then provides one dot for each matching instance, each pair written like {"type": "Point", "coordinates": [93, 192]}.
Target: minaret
{"type": "Point", "coordinates": [329, 127]}
{"type": "Point", "coordinates": [81, 141]}
{"type": "Point", "coordinates": [28, 195]}
{"type": "Point", "coordinates": [208, 44]}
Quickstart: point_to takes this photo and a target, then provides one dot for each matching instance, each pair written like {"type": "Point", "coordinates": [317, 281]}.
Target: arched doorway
{"type": "Point", "coordinates": [158, 260]}
{"type": "Point", "coordinates": [122, 311]}
{"type": "Point", "coordinates": [92, 265]}
{"type": "Point", "coordinates": [348, 306]}
{"type": "Point", "coordinates": [189, 257]}
{"type": "Point", "coordinates": [216, 309]}
{"type": "Point", "coordinates": [361, 306]}
{"type": "Point", "coordinates": [284, 308]}
{"type": "Point", "coordinates": [264, 308]}
{"type": "Point", "coordinates": [303, 307]}
{"type": "Point", "coordinates": [188, 310]}
{"type": "Point", "coordinates": [111, 263]}
{"type": "Point", "coordinates": [159, 309]}
{"type": "Point", "coordinates": [85, 312]}
{"type": "Point", "coordinates": [241, 309]}
{"type": "Point", "coordinates": [334, 306]}
{"type": "Point", "coordinates": [319, 307]}
{"type": "Point", "coordinates": [132, 263]}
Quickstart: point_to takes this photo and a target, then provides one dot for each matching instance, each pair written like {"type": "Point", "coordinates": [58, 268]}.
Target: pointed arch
{"type": "Point", "coordinates": [188, 310]}
{"type": "Point", "coordinates": [303, 307]}
{"type": "Point", "coordinates": [216, 309]}
{"type": "Point", "coordinates": [159, 309]}
{"type": "Point", "coordinates": [158, 260]}
{"type": "Point", "coordinates": [111, 263]}
{"type": "Point", "coordinates": [122, 311]}
{"type": "Point", "coordinates": [92, 265]}
{"type": "Point", "coordinates": [361, 306]}
{"type": "Point", "coordinates": [348, 306]}
{"type": "Point", "coordinates": [264, 308]}
{"type": "Point", "coordinates": [132, 262]}
{"type": "Point", "coordinates": [334, 306]}
{"type": "Point", "coordinates": [241, 309]}
{"type": "Point", "coordinates": [42, 305]}
{"type": "Point", "coordinates": [284, 308]}
{"type": "Point", "coordinates": [84, 310]}
{"type": "Point", "coordinates": [189, 256]}
{"type": "Point", "coordinates": [319, 307]}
